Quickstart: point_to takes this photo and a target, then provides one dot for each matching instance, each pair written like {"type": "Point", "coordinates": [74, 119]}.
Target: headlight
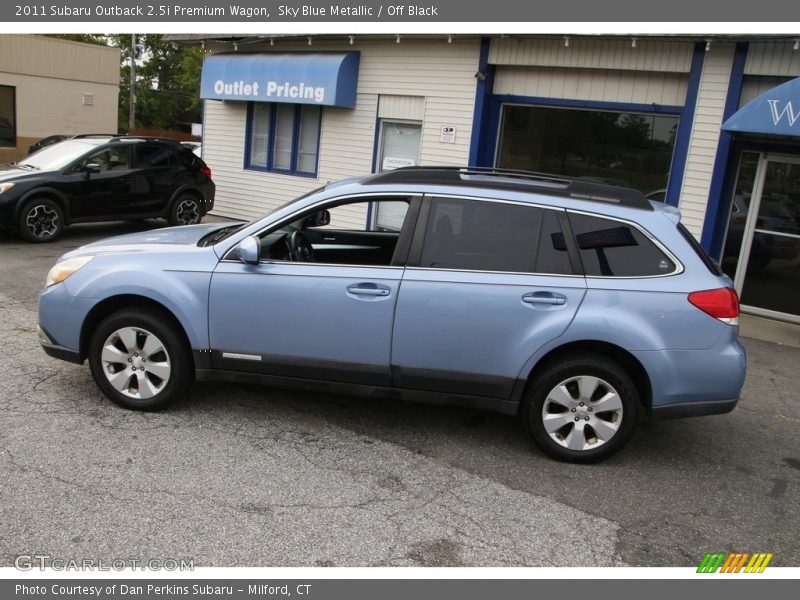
{"type": "Point", "coordinates": [65, 268]}
{"type": "Point", "coordinates": [4, 187]}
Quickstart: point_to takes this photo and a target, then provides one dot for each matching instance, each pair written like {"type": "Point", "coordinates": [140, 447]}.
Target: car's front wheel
{"type": "Point", "coordinates": [582, 408]}
{"type": "Point", "coordinates": [40, 220]}
{"type": "Point", "coordinates": [185, 211]}
{"type": "Point", "coordinates": [139, 359]}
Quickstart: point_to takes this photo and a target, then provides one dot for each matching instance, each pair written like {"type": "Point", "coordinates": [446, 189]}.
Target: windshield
{"type": "Point", "coordinates": [59, 155]}
{"type": "Point", "coordinates": [226, 232]}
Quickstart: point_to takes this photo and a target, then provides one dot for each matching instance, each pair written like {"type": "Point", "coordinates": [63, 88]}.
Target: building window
{"type": "Point", "coordinates": [8, 120]}
{"type": "Point", "coordinates": [619, 148]}
{"type": "Point", "coordinates": [284, 138]}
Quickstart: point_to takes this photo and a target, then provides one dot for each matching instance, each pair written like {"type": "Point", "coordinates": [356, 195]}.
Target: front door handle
{"type": "Point", "coordinates": [546, 298]}
{"type": "Point", "coordinates": [367, 289]}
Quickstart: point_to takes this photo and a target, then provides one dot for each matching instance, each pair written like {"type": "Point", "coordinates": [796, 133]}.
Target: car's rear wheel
{"type": "Point", "coordinates": [139, 359]}
{"type": "Point", "coordinates": [41, 220]}
{"type": "Point", "coordinates": [185, 211]}
{"type": "Point", "coordinates": [581, 409]}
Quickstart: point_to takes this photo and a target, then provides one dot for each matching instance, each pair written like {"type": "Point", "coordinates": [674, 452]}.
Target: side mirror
{"type": "Point", "coordinates": [248, 250]}
{"type": "Point", "coordinates": [92, 168]}
{"type": "Point", "coordinates": [318, 219]}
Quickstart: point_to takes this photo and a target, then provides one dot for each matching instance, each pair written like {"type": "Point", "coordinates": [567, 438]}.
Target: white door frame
{"type": "Point", "coordinates": [750, 229]}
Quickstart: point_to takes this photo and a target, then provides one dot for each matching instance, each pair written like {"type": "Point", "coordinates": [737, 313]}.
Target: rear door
{"type": "Point", "coordinates": [487, 284]}
{"type": "Point", "coordinates": [157, 176]}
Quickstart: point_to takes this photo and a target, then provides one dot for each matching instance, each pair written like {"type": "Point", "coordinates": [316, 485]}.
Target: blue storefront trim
{"type": "Point", "coordinates": [483, 98]}
{"type": "Point", "coordinates": [684, 132]}
{"type": "Point", "coordinates": [589, 104]}
{"type": "Point", "coordinates": [323, 79]}
{"type": "Point", "coordinates": [715, 223]}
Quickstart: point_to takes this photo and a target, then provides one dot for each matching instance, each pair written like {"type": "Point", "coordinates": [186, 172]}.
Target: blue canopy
{"type": "Point", "coordinates": [298, 78]}
{"type": "Point", "coordinates": [776, 112]}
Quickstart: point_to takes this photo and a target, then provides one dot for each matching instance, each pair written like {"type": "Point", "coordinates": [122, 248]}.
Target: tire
{"type": "Point", "coordinates": [185, 211]}
{"type": "Point", "coordinates": [40, 220]}
{"type": "Point", "coordinates": [560, 409]}
{"type": "Point", "coordinates": [139, 359]}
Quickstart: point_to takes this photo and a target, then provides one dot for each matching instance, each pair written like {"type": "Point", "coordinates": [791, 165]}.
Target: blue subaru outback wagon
{"type": "Point", "coordinates": [573, 304]}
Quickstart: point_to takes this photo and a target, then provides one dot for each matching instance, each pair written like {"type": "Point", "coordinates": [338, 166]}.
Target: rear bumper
{"type": "Point", "coordinates": [690, 383]}
{"type": "Point", "coordinates": [693, 409]}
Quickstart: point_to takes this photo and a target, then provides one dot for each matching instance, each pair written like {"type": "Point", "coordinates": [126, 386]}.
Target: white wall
{"type": "Point", "coordinates": [709, 110]}
{"type": "Point", "coordinates": [439, 74]}
{"type": "Point", "coordinates": [46, 106]}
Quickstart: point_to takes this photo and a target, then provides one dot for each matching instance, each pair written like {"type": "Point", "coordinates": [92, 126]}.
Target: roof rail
{"type": "Point", "coordinates": [118, 136]}
{"type": "Point", "coordinates": [86, 135]}
{"type": "Point", "coordinates": [514, 180]}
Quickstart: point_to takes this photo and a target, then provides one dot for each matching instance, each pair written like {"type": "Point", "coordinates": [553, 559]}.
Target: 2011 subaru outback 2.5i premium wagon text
{"type": "Point", "coordinates": [576, 305]}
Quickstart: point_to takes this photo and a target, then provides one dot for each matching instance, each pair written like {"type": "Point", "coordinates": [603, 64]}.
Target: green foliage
{"type": "Point", "coordinates": [167, 83]}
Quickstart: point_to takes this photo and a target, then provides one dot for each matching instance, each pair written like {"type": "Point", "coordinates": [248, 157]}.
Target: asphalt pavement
{"type": "Point", "coordinates": [241, 475]}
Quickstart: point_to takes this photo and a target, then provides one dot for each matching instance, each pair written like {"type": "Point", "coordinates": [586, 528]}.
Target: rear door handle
{"type": "Point", "coordinates": [546, 298]}
{"type": "Point", "coordinates": [368, 289]}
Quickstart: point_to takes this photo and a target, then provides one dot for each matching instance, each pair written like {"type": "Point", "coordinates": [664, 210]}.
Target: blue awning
{"type": "Point", "coordinates": [776, 112]}
{"type": "Point", "coordinates": [298, 78]}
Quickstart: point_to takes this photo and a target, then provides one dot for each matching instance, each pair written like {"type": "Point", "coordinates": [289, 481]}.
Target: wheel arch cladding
{"type": "Point", "coordinates": [625, 359]}
{"type": "Point", "coordinates": [113, 304]}
{"type": "Point", "coordinates": [48, 193]}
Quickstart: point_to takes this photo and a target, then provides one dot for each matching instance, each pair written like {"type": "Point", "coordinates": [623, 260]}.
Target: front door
{"type": "Point", "coordinates": [765, 222]}
{"type": "Point", "coordinates": [325, 315]}
{"type": "Point", "coordinates": [109, 193]}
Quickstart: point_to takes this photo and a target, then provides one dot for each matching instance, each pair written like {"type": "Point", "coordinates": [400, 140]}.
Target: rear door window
{"type": "Point", "coordinates": [481, 235]}
{"type": "Point", "coordinates": [152, 155]}
{"type": "Point", "coordinates": [610, 248]}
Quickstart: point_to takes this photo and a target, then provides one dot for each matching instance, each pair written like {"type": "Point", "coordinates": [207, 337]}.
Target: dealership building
{"type": "Point", "coordinates": [708, 124]}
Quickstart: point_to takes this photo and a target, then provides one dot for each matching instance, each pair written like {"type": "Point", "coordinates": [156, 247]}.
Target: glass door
{"type": "Point", "coordinates": [768, 270]}
{"type": "Point", "coordinates": [399, 144]}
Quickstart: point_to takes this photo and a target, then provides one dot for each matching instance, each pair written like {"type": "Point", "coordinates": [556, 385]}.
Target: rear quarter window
{"type": "Point", "coordinates": [709, 262]}
{"type": "Point", "coordinates": [611, 248]}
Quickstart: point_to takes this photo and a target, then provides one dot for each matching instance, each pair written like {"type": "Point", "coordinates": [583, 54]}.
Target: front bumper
{"type": "Point", "coordinates": [51, 348]}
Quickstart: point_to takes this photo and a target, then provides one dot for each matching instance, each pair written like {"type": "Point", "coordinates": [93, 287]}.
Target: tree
{"type": "Point", "coordinates": [167, 83]}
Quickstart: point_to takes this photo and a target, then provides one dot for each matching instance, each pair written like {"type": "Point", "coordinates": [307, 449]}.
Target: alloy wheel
{"type": "Point", "coordinates": [187, 212]}
{"type": "Point", "coordinates": [136, 363]}
{"type": "Point", "coordinates": [42, 221]}
{"type": "Point", "coordinates": [582, 413]}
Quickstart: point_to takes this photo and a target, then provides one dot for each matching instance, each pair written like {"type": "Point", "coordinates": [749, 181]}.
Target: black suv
{"type": "Point", "coordinates": [102, 178]}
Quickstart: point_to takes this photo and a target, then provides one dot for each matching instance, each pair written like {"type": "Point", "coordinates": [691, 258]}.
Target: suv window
{"type": "Point", "coordinates": [710, 263]}
{"type": "Point", "coordinates": [114, 158]}
{"type": "Point", "coordinates": [610, 248]}
{"type": "Point", "coordinates": [493, 236]}
{"type": "Point", "coordinates": [152, 155]}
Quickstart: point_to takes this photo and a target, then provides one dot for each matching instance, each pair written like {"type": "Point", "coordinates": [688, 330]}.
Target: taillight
{"type": "Point", "coordinates": [206, 171]}
{"type": "Point", "coordinates": [720, 303]}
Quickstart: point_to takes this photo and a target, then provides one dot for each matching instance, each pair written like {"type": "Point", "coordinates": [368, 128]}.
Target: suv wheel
{"type": "Point", "coordinates": [139, 360]}
{"type": "Point", "coordinates": [41, 220]}
{"type": "Point", "coordinates": [582, 409]}
{"type": "Point", "coordinates": [185, 211]}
